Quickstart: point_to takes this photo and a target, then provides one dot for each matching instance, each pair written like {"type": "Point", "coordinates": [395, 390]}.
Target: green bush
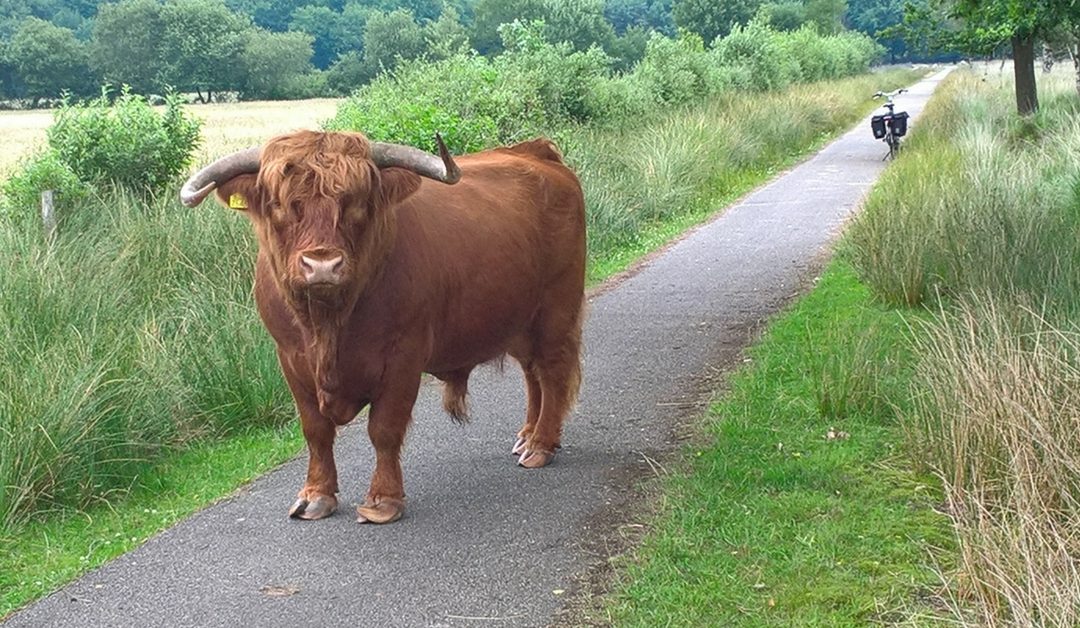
{"type": "Point", "coordinates": [415, 124]}
{"type": "Point", "coordinates": [757, 48]}
{"type": "Point", "coordinates": [43, 171]}
{"type": "Point", "coordinates": [126, 142]}
{"type": "Point", "coordinates": [459, 97]}
{"type": "Point", "coordinates": [676, 71]}
{"type": "Point", "coordinates": [536, 86]}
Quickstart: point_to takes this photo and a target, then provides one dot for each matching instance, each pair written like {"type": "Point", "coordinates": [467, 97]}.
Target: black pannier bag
{"type": "Point", "coordinates": [899, 124]}
{"type": "Point", "coordinates": [877, 125]}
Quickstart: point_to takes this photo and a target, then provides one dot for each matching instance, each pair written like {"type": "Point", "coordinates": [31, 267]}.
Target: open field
{"type": "Point", "coordinates": [225, 126]}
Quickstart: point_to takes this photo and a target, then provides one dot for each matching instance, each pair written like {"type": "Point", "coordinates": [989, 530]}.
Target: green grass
{"type": "Point", "coordinates": [132, 344]}
{"type": "Point", "coordinates": [777, 524]}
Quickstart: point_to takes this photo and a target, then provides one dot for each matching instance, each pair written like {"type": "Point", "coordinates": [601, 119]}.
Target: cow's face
{"type": "Point", "coordinates": [322, 212]}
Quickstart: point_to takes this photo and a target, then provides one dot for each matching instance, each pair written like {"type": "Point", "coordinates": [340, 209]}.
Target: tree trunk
{"type": "Point", "coordinates": [1027, 95]}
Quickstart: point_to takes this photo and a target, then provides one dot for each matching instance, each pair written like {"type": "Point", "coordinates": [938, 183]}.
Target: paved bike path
{"type": "Point", "coordinates": [484, 543]}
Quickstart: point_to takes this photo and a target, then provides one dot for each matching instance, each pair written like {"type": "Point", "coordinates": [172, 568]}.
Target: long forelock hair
{"type": "Point", "coordinates": [306, 165]}
{"type": "Point", "coordinates": [310, 164]}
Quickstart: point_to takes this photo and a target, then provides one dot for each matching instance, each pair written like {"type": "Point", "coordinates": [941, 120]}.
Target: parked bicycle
{"type": "Point", "coordinates": [890, 126]}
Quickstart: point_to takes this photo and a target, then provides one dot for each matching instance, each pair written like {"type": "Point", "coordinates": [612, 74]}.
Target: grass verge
{"type": "Point", "coordinates": [980, 223]}
{"type": "Point", "coordinates": [180, 246]}
{"type": "Point", "coordinates": [942, 355]}
{"type": "Point", "coordinates": [798, 508]}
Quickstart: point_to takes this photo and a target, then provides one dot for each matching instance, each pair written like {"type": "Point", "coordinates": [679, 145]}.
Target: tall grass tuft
{"type": "Point", "coordinates": [132, 334]}
{"type": "Point", "coordinates": [997, 417]}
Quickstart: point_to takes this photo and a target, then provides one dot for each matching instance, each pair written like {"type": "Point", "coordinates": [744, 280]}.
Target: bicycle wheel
{"type": "Point", "coordinates": [894, 145]}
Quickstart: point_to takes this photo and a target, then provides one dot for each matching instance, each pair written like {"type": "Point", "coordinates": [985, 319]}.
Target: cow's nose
{"type": "Point", "coordinates": [321, 269]}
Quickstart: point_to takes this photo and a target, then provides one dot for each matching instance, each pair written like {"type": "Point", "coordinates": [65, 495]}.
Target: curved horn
{"type": "Point", "coordinates": [441, 168]}
{"type": "Point", "coordinates": [203, 182]}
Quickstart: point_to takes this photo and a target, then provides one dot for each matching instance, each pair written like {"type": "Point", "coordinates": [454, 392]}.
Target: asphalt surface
{"type": "Point", "coordinates": [483, 542]}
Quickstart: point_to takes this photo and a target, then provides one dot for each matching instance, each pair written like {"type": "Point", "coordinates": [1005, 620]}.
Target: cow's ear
{"type": "Point", "coordinates": [396, 185]}
{"type": "Point", "coordinates": [237, 193]}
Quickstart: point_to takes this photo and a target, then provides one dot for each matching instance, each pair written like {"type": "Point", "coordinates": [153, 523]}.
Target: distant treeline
{"type": "Point", "coordinates": [280, 49]}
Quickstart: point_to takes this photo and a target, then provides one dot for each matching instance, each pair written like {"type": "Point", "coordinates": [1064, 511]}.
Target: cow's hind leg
{"type": "Point", "coordinates": [534, 397]}
{"type": "Point", "coordinates": [557, 367]}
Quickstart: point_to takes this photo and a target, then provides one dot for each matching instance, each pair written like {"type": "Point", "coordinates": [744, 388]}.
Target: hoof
{"type": "Point", "coordinates": [380, 510]}
{"type": "Point", "coordinates": [535, 459]}
{"type": "Point", "coordinates": [519, 446]}
{"type": "Point", "coordinates": [319, 508]}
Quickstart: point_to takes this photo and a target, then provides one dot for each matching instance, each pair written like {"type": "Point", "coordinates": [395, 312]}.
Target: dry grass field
{"type": "Point", "coordinates": [225, 126]}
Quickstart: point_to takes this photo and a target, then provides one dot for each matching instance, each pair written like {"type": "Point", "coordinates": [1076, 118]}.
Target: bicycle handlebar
{"type": "Point", "coordinates": [890, 94]}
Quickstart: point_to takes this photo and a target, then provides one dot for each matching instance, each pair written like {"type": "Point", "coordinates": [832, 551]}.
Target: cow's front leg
{"type": "Point", "coordinates": [387, 423]}
{"type": "Point", "coordinates": [318, 498]}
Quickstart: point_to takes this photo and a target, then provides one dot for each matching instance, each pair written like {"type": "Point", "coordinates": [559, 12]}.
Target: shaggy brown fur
{"type": "Point", "coordinates": [434, 278]}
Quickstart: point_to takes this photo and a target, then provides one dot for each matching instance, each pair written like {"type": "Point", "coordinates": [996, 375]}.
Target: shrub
{"type": "Point", "coordinates": [459, 97]}
{"type": "Point", "coordinates": [43, 171]}
{"type": "Point", "coordinates": [676, 71]}
{"type": "Point", "coordinates": [126, 143]}
{"type": "Point", "coordinates": [536, 86]}
{"type": "Point", "coordinates": [562, 78]}
{"type": "Point", "coordinates": [757, 48]}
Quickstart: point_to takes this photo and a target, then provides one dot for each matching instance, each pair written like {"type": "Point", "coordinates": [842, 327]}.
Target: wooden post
{"type": "Point", "coordinates": [48, 215]}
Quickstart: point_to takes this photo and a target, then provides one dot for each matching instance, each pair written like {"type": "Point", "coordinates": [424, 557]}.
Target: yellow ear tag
{"type": "Point", "coordinates": [237, 201]}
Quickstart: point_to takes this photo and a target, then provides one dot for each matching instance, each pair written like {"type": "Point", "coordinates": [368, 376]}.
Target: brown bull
{"type": "Point", "coordinates": [379, 262]}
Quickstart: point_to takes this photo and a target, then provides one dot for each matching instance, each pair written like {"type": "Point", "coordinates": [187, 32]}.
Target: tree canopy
{"type": "Point", "coordinates": [209, 47]}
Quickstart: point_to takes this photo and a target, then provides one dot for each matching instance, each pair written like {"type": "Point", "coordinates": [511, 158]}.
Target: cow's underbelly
{"type": "Point", "coordinates": [481, 331]}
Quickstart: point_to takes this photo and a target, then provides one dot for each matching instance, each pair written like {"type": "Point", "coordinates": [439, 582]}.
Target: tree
{"type": "Point", "coordinates": [421, 10]}
{"type": "Point", "coordinates": [273, 64]}
{"type": "Point", "coordinates": [200, 46]}
{"type": "Point", "coordinates": [348, 73]}
{"type": "Point", "coordinates": [644, 14]}
{"type": "Point", "coordinates": [392, 36]}
{"type": "Point", "coordinates": [712, 18]}
{"type": "Point", "coordinates": [273, 15]}
{"type": "Point", "coordinates": [629, 48]}
{"type": "Point", "coordinates": [335, 33]}
{"type": "Point", "coordinates": [489, 15]}
{"type": "Point", "coordinates": [827, 15]}
{"type": "Point", "coordinates": [49, 60]}
{"type": "Point", "coordinates": [446, 36]}
{"type": "Point", "coordinates": [579, 22]}
{"type": "Point", "coordinates": [322, 24]}
{"type": "Point", "coordinates": [7, 73]}
{"type": "Point", "coordinates": [879, 18]}
{"type": "Point", "coordinates": [982, 25]}
{"type": "Point", "coordinates": [787, 15]}
{"type": "Point", "coordinates": [1019, 22]}
{"type": "Point", "coordinates": [126, 47]}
